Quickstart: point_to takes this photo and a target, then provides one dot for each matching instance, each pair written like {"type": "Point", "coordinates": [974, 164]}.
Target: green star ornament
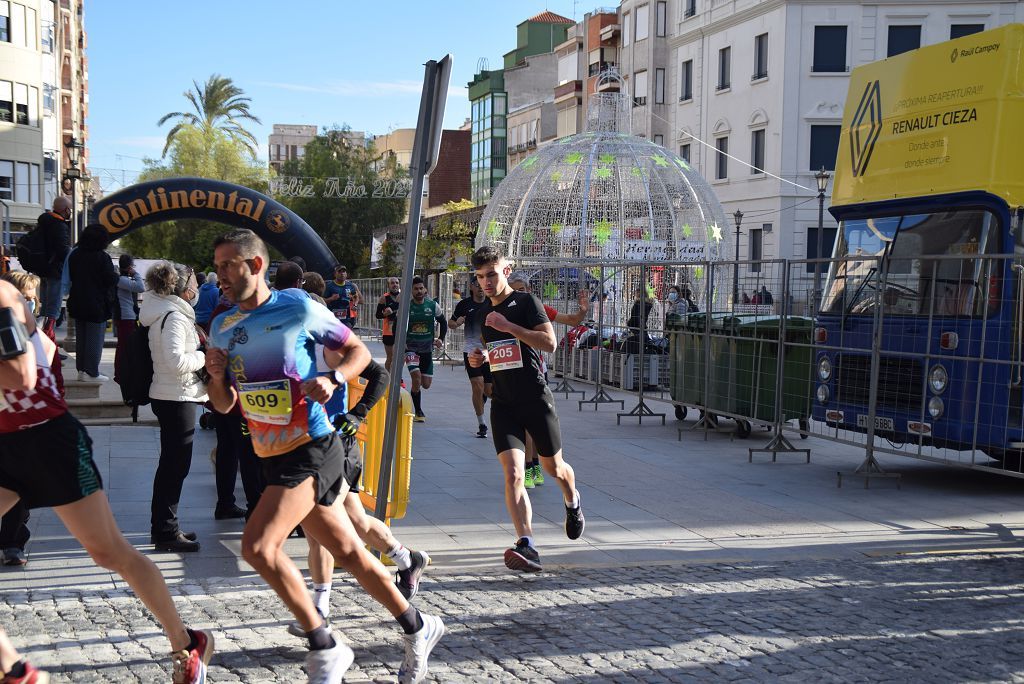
{"type": "Point", "coordinates": [603, 231]}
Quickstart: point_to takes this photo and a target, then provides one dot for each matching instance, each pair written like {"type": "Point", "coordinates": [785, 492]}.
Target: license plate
{"type": "Point", "coordinates": [881, 423]}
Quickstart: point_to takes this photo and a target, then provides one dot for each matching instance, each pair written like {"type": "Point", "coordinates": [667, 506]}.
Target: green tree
{"type": "Point", "coordinates": [204, 154]}
{"type": "Point", "coordinates": [219, 105]}
{"type": "Point", "coordinates": [449, 245]}
{"type": "Point", "coordinates": [346, 224]}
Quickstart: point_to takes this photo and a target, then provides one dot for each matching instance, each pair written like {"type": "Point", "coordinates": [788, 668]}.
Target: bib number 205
{"type": "Point", "coordinates": [504, 355]}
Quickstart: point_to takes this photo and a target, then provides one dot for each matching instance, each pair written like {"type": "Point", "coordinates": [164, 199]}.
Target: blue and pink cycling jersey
{"type": "Point", "coordinates": [271, 351]}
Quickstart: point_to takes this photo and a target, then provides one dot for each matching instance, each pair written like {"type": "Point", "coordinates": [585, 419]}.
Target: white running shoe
{"type": "Point", "coordinates": [418, 646]}
{"type": "Point", "coordinates": [328, 666]}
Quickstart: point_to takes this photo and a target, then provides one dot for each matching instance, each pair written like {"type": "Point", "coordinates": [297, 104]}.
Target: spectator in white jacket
{"type": "Point", "coordinates": [176, 392]}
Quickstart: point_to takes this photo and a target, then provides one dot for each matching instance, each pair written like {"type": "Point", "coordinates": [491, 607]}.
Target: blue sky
{"type": "Point", "coordinates": [323, 63]}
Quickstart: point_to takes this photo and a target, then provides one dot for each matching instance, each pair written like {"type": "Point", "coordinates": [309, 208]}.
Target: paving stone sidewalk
{"type": "Point", "coordinates": [920, 617]}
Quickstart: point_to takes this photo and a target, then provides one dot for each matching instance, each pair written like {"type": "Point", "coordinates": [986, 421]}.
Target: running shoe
{"type": "Point", "coordinates": [523, 557]}
{"type": "Point", "coordinates": [295, 629]}
{"type": "Point", "coordinates": [538, 475]}
{"type": "Point", "coordinates": [528, 478]}
{"type": "Point", "coordinates": [574, 522]}
{"type": "Point", "coordinates": [31, 676]}
{"type": "Point", "coordinates": [482, 432]}
{"type": "Point", "coordinates": [189, 667]}
{"type": "Point", "coordinates": [408, 581]}
{"type": "Point", "coordinates": [420, 417]}
{"type": "Point", "coordinates": [328, 665]}
{"type": "Point", "coordinates": [418, 646]}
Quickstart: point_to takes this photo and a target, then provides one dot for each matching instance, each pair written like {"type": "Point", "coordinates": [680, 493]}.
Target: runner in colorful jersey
{"type": "Point", "coordinates": [64, 476]}
{"type": "Point", "coordinates": [420, 342]}
{"type": "Point", "coordinates": [387, 314]}
{"type": "Point", "coordinates": [378, 535]}
{"type": "Point", "coordinates": [262, 355]}
{"type": "Point", "coordinates": [520, 282]}
{"type": "Point", "coordinates": [343, 297]}
{"type": "Point", "coordinates": [479, 378]}
{"type": "Point", "coordinates": [516, 331]}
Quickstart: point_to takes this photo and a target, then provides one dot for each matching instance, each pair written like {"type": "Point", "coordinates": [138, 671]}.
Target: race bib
{"type": "Point", "coordinates": [412, 358]}
{"type": "Point", "coordinates": [504, 355]}
{"type": "Point", "coordinates": [267, 402]}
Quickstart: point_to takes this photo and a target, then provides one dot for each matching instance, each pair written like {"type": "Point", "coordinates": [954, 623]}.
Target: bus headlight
{"type": "Point", "coordinates": [938, 378]}
{"type": "Point", "coordinates": [935, 407]}
{"type": "Point", "coordinates": [824, 369]}
{"type": "Point", "coordinates": [823, 394]}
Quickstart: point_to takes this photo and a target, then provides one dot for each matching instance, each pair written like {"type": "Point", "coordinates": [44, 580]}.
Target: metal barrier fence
{"type": "Point", "coordinates": [913, 356]}
{"type": "Point", "coordinates": [440, 288]}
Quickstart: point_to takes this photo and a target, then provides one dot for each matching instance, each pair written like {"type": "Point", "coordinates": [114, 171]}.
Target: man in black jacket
{"type": "Point", "coordinates": [57, 233]}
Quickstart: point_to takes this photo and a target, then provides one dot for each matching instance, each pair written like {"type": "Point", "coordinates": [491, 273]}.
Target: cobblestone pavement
{"type": "Point", "coordinates": [919, 617]}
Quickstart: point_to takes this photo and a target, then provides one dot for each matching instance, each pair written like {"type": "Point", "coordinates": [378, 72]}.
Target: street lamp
{"type": "Point", "coordinates": [738, 216]}
{"type": "Point", "coordinates": [822, 179]}
{"type": "Point", "coordinates": [72, 175]}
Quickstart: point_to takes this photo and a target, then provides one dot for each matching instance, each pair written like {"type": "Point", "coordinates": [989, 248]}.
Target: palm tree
{"type": "Point", "coordinates": [219, 105]}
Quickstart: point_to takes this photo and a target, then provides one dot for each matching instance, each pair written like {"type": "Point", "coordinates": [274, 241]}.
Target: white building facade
{"type": "Point", "coordinates": [765, 81]}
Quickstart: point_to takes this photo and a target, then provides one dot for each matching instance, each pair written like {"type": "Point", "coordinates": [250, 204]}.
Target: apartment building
{"type": "Point", "coordinates": [44, 99]}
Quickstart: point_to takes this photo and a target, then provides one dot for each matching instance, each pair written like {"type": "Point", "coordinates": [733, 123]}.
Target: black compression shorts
{"type": "Point", "coordinates": [388, 340]}
{"type": "Point", "coordinates": [511, 422]}
{"type": "Point", "coordinates": [483, 371]}
{"type": "Point", "coordinates": [49, 464]}
{"type": "Point", "coordinates": [324, 458]}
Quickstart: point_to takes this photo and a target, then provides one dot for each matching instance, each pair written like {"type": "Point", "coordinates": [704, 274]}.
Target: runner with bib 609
{"type": "Point", "coordinates": [516, 332]}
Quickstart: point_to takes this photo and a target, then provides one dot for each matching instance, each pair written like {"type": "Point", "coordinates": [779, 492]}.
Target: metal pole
{"type": "Point", "coordinates": [422, 161]}
{"type": "Point", "coordinates": [7, 227]}
{"type": "Point", "coordinates": [817, 254]}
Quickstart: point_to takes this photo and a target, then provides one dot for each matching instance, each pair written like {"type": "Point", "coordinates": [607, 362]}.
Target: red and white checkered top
{"type": "Point", "coordinates": [20, 410]}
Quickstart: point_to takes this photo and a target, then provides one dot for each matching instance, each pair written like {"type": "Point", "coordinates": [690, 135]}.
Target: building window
{"type": "Point", "coordinates": [686, 83]}
{"type": "Point", "coordinates": [6, 180]}
{"type": "Point", "coordinates": [21, 104]}
{"type": "Point", "coordinates": [30, 28]}
{"type": "Point", "coordinates": [824, 147]}
{"type": "Point", "coordinates": [659, 140]}
{"type": "Point", "coordinates": [640, 89]}
{"type": "Point", "coordinates": [659, 86]}
{"type": "Point", "coordinates": [961, 30]}
{"type": "Point", "coordinates": [761, 56]}
{"type": "Point", "coordinates": [33, 184]}
{"type": "Point", "coordinates": [5, 21]}
{"type": "Point", "coordinates": [49, 103]}
{"type": "Point", "coordinates": [829, 49]}
{"type": "Point", "coordinates": [684, 153]}
{"type": "Point", "coordinates": [724, 68]}
{"type": "Point", "coordinates": [625, 29]}
{"type": "Point", "coordinates": [18, 24]}
{"type": "Point", "coordinates": [757, 151]}
{"type": "Point", "coordinates": [21, 182]}
{"type": "Point", "coordinates": [643, 20]}
{"type": "Point", "coordinates": [755, 251]}
{"type": "Point", "coordinates": [660, 19]}
{"type": "Point", "coordinates": [46, 36]}
{"type": "Point", "coordinates": [828, 239]}
{"type": "Point", "coordinates": [49, 166]}
{"type": "Point", "coordinates": [691, 8]}
{"type": "Point", "coordinates": [903, 39]}
{"type": "Point", "coordinates": [6, 101]}
{"type": "Point", "coordinates": [721, 160]}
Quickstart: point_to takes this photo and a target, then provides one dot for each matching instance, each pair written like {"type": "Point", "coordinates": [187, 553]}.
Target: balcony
{"type": "Point", "coordinates": [568, 90]}
{"type": "Point", "coordinates": [531, 144]}
{"type": "Point", "coordinates": [610, 32]}
{"type": "Point", "coordinates": [608, 86]}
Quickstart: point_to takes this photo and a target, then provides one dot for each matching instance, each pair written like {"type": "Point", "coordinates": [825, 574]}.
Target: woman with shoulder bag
{"type": "Point", "coordinates": [176, 392]}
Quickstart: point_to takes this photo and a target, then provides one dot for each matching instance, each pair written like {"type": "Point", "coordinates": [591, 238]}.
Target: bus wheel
{"type": "Point", "coordinates": [680, 413]}
{"type": "Point", "coordinates": [742, 429]}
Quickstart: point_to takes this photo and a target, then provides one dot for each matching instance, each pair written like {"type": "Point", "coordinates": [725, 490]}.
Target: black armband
{"type": "Point", "coordinates": [377, 378]}
{"type": "Point", "coordinates": [13, 336]}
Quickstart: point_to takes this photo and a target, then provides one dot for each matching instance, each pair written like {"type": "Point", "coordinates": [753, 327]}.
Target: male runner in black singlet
{"type": "Point", "coordinates": [515, 333]}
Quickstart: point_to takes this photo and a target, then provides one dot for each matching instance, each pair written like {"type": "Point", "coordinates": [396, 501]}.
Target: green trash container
{"type": "Point", "coordinates": [756, 362]}
{"type": "Point", "coordinates": [721, 394]}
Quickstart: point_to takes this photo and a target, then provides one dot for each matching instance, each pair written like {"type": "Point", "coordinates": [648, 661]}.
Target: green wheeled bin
{"type": "Point", "coordinates": [757, 348]}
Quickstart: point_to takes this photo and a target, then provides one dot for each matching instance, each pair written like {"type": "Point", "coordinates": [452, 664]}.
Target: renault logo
{"type": "Point", "coordinates": [865, 128]}
{"type": "Point", "coordinates": [953, 55]}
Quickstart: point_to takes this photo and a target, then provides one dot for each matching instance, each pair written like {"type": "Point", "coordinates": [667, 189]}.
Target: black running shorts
{"type": "Point", "coordinates": [323, 458]}
{"type": "Point", "coordinates": [49, 464]}
{"type": "Point", "coordinates": [483, 371]}
{"type": "Point", "coordinates": [388, 340]}
{"type": "Point", "coordinates": [511, 422]}
{"type": "Point", "coordinates": [353, 454]}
